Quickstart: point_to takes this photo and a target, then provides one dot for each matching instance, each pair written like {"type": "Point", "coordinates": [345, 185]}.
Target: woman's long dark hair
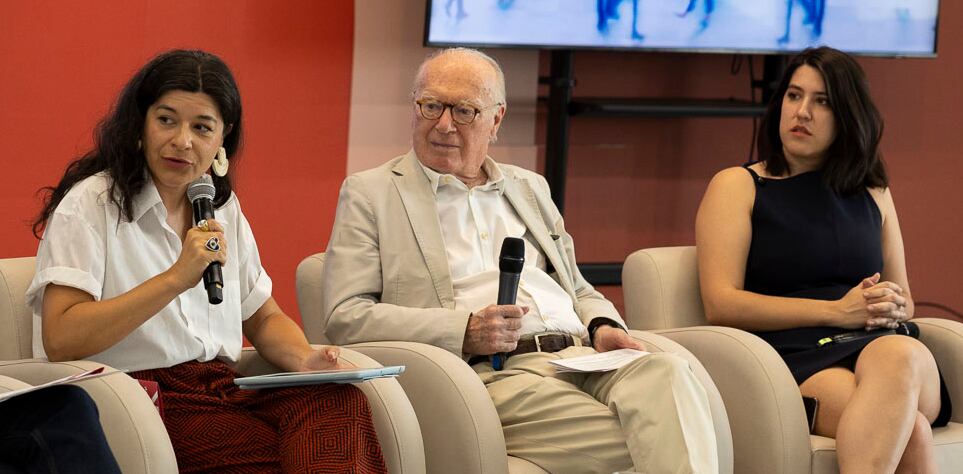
{"type": "Point", "coordinates": [853, 161]}
{"type": "Point", "coordinates": [116, 150]}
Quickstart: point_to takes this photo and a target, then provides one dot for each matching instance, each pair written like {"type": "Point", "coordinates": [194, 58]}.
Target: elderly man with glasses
{"type": "Point", "coordinates": [414, 256]}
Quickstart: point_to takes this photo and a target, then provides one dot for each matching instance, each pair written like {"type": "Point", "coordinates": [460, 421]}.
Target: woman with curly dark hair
{"type": "Point", "coordinates": [118, 272]}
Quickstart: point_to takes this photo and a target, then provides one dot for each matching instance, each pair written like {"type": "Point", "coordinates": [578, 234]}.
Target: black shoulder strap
{"type": "Point", "coordinates": [755, 176]}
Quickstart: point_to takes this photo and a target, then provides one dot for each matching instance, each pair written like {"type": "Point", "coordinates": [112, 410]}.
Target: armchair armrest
{"type": "Point", "coordinates": [766, 415]}
{"type": "Point", "coordinates": [655, 342]}
{"type": "Point", "coordinates": [134, 429]}
{"type": "Point", "coordinates": [462, 432]}
{"type": "Point", "coordinates": [395, 422]}
{"type": "Point", "coordinates": [9, 384]}
{"type": "Point", "coordinates": [944, 338]}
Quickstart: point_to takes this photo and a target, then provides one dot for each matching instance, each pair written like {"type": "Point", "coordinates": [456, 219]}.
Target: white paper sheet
{"type": "Point", "coordinates": [601, 362]}
{"type": "Point", "coordinates": [90, 374]}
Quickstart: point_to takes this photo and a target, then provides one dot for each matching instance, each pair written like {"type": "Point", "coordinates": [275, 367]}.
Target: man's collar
{"type": "Point", "coordinates": [433, 177]}
{"type": "Point", "coordinates": [496, 180]}
{"type": "Point", "coordinates": [495, 176]}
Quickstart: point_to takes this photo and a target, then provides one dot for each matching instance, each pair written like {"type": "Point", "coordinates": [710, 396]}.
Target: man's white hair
{"type": "Point", "coordinates": [499, 90]}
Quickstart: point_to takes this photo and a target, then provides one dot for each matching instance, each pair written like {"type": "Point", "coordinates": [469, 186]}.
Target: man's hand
{"type": "Point", "coordinates": [608, 338]}
{"type": "Point", "coordinates": [493, 329]}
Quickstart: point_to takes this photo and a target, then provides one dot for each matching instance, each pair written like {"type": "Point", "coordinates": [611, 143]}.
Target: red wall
{"type": "Point", "coordinates": [62, 63]}
{"type": "Point", "coordinates": [637, 183]}
{"type": "Point", "coordinates": [633, 183]}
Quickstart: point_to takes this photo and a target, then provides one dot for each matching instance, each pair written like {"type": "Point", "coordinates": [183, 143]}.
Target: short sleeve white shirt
{"type": "Point", "coordinates": [89, 245]}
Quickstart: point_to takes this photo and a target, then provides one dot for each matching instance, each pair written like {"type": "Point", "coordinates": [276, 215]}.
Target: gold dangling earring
{"type": "Point", "coordinates": [220, 164]}
{"type": "Point", "coordinates": [139, 145]}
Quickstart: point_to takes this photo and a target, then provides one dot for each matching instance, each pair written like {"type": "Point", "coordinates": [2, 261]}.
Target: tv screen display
{"type": "Point", "coordinates": [863, 27]}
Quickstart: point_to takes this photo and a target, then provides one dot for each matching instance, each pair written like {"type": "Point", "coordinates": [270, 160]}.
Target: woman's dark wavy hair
{"type": "Point", "coordinates": [853, 161]}
{"type": "Point", "coordinates": [116, 136]}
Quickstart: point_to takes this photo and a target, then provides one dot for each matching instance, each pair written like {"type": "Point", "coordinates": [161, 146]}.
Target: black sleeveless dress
{"type": "Point", "coordinates": [810, 242]}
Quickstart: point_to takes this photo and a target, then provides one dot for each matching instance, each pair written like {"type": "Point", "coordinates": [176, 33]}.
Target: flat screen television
{"type": "Point", "coordinates": [900, 28]}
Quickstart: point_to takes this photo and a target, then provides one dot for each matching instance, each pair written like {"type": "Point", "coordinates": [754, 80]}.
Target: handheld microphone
{"type": "Point", "coordinates": [511, 260]}
{"type": "Point", "coordinates": [201, 194]}
{"type": "Point", "coordinates": [906, 329]}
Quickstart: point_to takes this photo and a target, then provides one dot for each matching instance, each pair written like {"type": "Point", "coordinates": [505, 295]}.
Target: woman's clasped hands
{"type": "Point", "coordinates": [874, 304]}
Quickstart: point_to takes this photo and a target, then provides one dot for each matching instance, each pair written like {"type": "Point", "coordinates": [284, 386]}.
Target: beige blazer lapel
{"type": "Point", "coordinates": [415, 190]}
{"type": "Point", "coordinates": [522, 197]}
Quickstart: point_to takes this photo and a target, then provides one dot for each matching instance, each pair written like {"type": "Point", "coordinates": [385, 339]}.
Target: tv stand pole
{"type": "Point", "coordinates": [561, 108]}
{"type": "Point", "coordinates": [773, 66]}
{"type": "Point", "coordinates": [561, 82]}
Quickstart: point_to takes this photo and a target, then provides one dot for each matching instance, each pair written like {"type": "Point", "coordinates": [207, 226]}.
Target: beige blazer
{"type": "Point", "coordinates": [386, 273]}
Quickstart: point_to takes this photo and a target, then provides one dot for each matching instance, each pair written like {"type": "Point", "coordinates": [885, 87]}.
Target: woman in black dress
{"type": "Point", "coordinates": [805, 244]}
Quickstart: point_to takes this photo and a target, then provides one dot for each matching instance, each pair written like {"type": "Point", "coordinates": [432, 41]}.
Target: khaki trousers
{"type": "Point", "coordinates": [651, 416]}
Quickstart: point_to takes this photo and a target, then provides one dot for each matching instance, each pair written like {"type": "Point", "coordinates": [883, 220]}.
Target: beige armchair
{"type": "Point", "coordinates": [460, 427]}
{"type": "Point", "coordinates": [134, 430]}
{"type": "Point", "coordinates": [9, 384]}
{"type": "Point", "coordinates": [766, 414]}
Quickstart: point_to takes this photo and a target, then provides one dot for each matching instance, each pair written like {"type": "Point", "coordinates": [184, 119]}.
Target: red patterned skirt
{"type": "Point", "coordinates": [216, 427]}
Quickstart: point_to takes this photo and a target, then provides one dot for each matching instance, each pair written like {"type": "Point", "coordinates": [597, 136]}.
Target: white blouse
{"type": "Point", "coordinates": [88, 245]}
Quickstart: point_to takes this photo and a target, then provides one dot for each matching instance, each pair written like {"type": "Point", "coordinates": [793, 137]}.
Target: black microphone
{"type": "Point", "coordinates": [201, 194]}
{"type": "Point", "coordinates": [510, 263]}
{"type": "Point", "coordinates": [910, 329]}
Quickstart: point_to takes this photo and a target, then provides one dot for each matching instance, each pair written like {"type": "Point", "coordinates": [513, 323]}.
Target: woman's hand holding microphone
{"type": "Point", "coordinates": [203, 245]}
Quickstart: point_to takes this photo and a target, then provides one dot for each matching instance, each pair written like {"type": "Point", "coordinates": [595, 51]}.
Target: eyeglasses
{"type": "Point", "coordinates": [462, 114]}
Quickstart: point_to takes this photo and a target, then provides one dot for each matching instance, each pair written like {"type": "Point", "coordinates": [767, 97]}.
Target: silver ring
{"type": "Point", "coordinates": [213, 244]}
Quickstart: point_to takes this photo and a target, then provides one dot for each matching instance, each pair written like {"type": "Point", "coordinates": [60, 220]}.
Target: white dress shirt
{"type": "Point", "coordinates": [88, 245]}
{"type": "Point", "coordinates": [474, 222]}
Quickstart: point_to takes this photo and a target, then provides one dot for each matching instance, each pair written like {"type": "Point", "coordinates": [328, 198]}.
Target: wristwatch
{"type": "Point", "coordinates": [596, 324]}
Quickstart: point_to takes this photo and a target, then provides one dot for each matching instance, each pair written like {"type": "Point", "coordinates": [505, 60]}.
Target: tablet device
{"type": "Point", "coordinates": [294, 379]}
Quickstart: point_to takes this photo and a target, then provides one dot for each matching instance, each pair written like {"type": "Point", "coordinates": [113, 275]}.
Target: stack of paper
{"type": "Point", "coordinates": [601, 362]}
{"type": "Point", "coordinates": [90, 374]}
